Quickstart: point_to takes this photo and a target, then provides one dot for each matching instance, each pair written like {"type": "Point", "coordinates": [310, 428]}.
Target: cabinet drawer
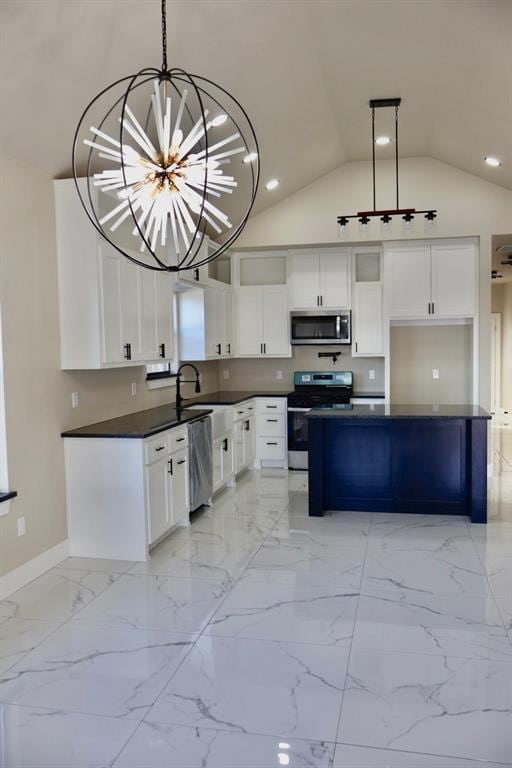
{"type": "Point", "coordinates": [156, 448]}
{"type": "Point", "coordinates": [271, 425]}
{"type": "Point", "coordinates": [272, 405]}
{"type": "Point", "coordinates": [178, 438]}
{"type": "Point", "coordinates": [271, 448]}
{"type": "Point", "coordinates": [243, 410]}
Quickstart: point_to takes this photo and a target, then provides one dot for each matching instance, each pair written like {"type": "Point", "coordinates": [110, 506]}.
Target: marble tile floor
{"type": "Point", "coordinates": [258, 637]}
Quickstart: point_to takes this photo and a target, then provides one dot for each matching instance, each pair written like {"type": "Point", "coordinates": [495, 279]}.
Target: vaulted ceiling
{"type": "Point", "coordinates": [304, 69]}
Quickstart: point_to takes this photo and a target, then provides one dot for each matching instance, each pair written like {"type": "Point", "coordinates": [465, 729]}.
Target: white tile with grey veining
{"type": "Point", "coordinates": [470, 627]}
{"type": "Point", "coordinates": [96, 670]}
{"type": "Point", "coordinates": [20, 636]}
{"type": "Point", "coordinates": [504, 603]}
{"type": "Point", "coordinates": [431, 573]}
{"type": "Point", "coordinates": [160, 745]}
{"type": "Point", "coordinates": [339, 529]}
{"type": "Point", "coordinates": [322, 615]}
{"type": "Point", "coordinates": [140, 601]}
{"type": "Point", "coordinates": [499, 574]}
{"type": "Point", "coordinates": [253, 686]}
{"type": "Point", "coordinates": [51, 738]}
{"type": "Point", "coordinates": [492, 540]}
{"type": "Point", "coordinates": [425, 703]}
{"type": "Point", "coordinates": [300, 559]}
{"type": "Point", "coordinates": [57, 595]}
{"type": "Point", "coordinates": [94, 564]}
{"type": "Point", "coordinates": [347, 756]}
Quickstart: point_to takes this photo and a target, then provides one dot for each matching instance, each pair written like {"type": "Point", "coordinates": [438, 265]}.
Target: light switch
{"type": "Point", "coordinates": [435, 373]}
{"type": "Point", "coordinates": [74, 399]}
{"type": "Point", "coordinates": [371, 374]}
{"type": "Point", "coordinates": [225, 373]}
{"type": "Point", "coordinates": [279, 375]}
{"type": "Point", "coordinates": [134, 389]}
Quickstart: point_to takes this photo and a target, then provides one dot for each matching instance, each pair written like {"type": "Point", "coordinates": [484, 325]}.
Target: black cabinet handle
{"type": "Point", "coordinates": [162, 350]}
{"type": "Point", "coordinates": [182, 461]}
{"type": "Point", "coordinates": [247, 425]}
{"type": "Point", "coordinates": [271, 443]}
{"type": "Point", "coordinates": [218, 349]}
{"type": "Point", "coordinates": [229, 349]}
{"type": "Point", "coordinates": [170, 466]}
{"type": "Point", "coordinates": [196, 274]}
{"type": "Point", "coordinates": [318, 301]}
{"type": "Point", "coordinates": [272, 421]}
{"type": "Point", "coordinates": [127, 351]}
{"type": "Point", "coordinates": [225, 444]}
{"type": "Point", "coordinates": [356, 346]}
{"type": "Point", "coordinates": [271, 406]}
{"type": "Point", "coordinates": [433, 308]}
{"type": "Point", "coordinates": [265, 348]}
{"type": "Point", "coordinates": [160, 448]}
{"type": "Point", "coordinates": [261, 348]}
{"type": "Point", "coordinates": [180, 439]}
{"type": "Point", "coordinates": [239, 411]}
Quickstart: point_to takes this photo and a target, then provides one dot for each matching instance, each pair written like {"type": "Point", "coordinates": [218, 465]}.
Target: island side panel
{"type": "Point", "coordinates": [316, 467]}
{"type": "Point", "coordinates": [477, 484]}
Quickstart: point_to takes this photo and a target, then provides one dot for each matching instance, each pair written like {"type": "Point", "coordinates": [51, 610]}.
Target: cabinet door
{"type": "Point", "coordinates": [179, 485]}
{"type": "Point", "coordinates": [249, 440]}
{"type": "Point", "coordinates": [110, 287]}
{"type": "Point", "coordinates": [210, 319]}
{"type": "Point", "coordinates": [229, 347]}
{"type": "Point", "coordinates": [276, 328]}
{"type": "Point", "coordinates": [217, 449]}
{"type": "Point", "coordinates": [304, 280]}
{"type": "Point", "coordinates": [158, 505]}
{"type": "Point", "coordinates": [165, 318]}
{"type": "Point", "coordinates": [240, 441]}
{"type": "Point", "coordinates": [131, 311]}
{"type": "Point", "coordinates": [335, 278]}
{"type": "Point", "coordinates": [149, 313]}
{"type": "Point", "coordinates": [454, 279]}
{"type": "Point", "coordinates": [220, 308]}
{"type": "Point", "coordinates": [227, 457]}
{"type": "Point", "coordinates": [367, 319]}
{"type": "Point", "coordinates": [408, 281]}
{"type": "Point", "coordinates": [250, 321]}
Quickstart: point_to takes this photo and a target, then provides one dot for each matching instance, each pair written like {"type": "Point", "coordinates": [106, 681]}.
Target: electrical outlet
{"type": "Point", "coordinates": [435, 373]}
{"type": "Point", "coordinates": [371, 374]}
{"type": "Point", "coordinates": [225, 373]}
{"type": "Point", "coordinates": [22, 527]}
{"type": "Point", "coordinates": [74, 399]}
{"type": "Point", "coordinates": [134, 389]}
{"type": "Point", "coordinates": [279, 375]}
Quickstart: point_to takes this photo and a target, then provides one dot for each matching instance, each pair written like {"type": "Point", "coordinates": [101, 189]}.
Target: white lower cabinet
{"type": "Point", "coordinates": [245, 438]}
{"type": "Point", "coordinates": [223, 467]}
{"type": "Point", "coordinates": [166, 481]}
{"type": "Point", "coordinates": [271, 432]}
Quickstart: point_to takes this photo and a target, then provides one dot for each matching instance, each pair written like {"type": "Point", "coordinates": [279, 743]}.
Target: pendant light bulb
{"type": "Point", "coordinates": [363, 225]}
{"type": "Point", "coordinates": [386, 224]}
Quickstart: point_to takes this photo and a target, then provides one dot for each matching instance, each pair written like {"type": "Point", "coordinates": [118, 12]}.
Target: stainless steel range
{"type": "Point", "coordinates": [313, 389]}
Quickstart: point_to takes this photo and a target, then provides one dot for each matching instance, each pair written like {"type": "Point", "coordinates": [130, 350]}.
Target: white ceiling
{"type": "Point", "coordinates": [304, 69]}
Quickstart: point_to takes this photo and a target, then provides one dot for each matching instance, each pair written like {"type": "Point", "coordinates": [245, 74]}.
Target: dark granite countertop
{"type": "Point", "coordinates": [224, 397]}
{"type": "Point", "coordinates": [140, 424]}
{"type": "Point", "coordinates": [401, 412]}
{"type": "Point", "coordinates": [7, 495]}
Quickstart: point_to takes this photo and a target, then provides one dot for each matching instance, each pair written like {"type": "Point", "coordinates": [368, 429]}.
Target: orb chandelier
{"type": "Point", "coordinates": [161, 160]}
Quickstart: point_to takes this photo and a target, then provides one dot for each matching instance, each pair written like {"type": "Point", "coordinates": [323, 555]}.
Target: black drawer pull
{"type": "Point", "coordinates": [162, 350]}
{"type": "Point", "coordinates": [271, 406]}
{"type": "Point", "coordinates": [272, 421]}
{"type": "Point", "coordinates": [180, 439]}
{"type": "Point", "coordinates": [239, 411]}
{"type": "Point", "coordinates": [160, 448]}
{"type": "Point", "coordinates": [271, 443]}
{"type": "Point", "coordinates": [225, 444]}
{"type": "Point", "coordinates": [170, 466]}
{"type": "Point", "coordinates": [247, 425]}
{"type": "Point", "coordinates": [128, 351]}
{"type": "Point", "coordinates": [181, 462]}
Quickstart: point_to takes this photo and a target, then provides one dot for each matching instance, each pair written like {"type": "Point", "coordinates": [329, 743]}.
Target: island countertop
{"type": "Point", "coordinates": [227, 397]}
{"type": "Point", "coordinates": [140, 424]}
{"type": "Point", "coordinates": [387, 411]}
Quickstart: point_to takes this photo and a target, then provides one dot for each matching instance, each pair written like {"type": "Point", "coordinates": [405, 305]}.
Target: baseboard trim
{"type": "Point", "coordinates": [27, 572]}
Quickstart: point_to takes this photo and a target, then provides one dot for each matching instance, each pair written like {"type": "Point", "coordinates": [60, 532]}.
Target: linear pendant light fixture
{"type": "Point", "coordinates": [154, 148]}
{"type": "Point", "coordinates": [386, 216]}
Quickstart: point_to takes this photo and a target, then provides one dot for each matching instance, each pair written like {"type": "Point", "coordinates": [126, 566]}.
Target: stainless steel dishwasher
{"type": "Point", "coordinates": [201, 462]}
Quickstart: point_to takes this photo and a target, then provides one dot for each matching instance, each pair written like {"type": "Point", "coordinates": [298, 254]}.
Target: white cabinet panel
{"type": "Point", "coordinates": [249, 440]}
{"type": "Point", "coordinates": [158, 505]}
{"type": "Point", "coordinates": [217, 450]}
{"type": "Point", "coordinates": [276, 334]}
{"type": "Point", "coordinates": [179, 485]}
{"type": "Point", "coordinates": [250, 321]}
{"type": "Point", "coordinates": [131, 310]}
{"type": "Point", "coordinates": [149, 313]}
{"type": "Point", "coordinates": [239, 446]}
{"type": "Point", "coordinates": [229, 345]}
{"type": "Point", "coordinates": [165, 319]}
{"type": "Point", "coordinates": [454, 279]}
{"type": "Point", "coordinates": [408, 278]}
{"type": "Point", "coordinates": [334, 285]}
{"type": "Point", "coordinates": [110, 302]}
{"type": "Point", "coordinates": [367, 319]}
{"type": "Point", "coordinates": [304, 276]}
{"type": "Point", "coordinates": [227, 457]}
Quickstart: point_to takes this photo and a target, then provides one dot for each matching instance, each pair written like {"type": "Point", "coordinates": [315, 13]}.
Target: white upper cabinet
{"type": "Point", "coordinates": [263, 322]}
{"type": "Point", "coordinates": [432, 280]}
{"type": "Point", "coordinates": [367, 320]}
{"type": "Point", "coordinates": [320, 279]}
{"type": "Point", "coordinates": [112, 312]}
{"type": "Point", "coordinates": [205, 323]}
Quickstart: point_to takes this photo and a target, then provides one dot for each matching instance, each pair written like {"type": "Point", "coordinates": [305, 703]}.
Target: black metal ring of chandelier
{"type": "Point", "coordinates": [189, 256]}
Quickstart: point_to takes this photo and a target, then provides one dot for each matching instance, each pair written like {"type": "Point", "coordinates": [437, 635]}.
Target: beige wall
{"type": "Point", "coordinates": [467, 206]}
{"type": "Point", "coordinates": [417, 350]}
{"type": "Point", "coordinates": [261, 374]}
{"type": "Point", "coordinates": [37, 392]}
{"type": "Point", "coordinates": [506, 349]}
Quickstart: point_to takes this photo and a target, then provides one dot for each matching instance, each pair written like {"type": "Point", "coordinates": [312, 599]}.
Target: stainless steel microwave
{"type": "Point", "coordinates": [314, 327]}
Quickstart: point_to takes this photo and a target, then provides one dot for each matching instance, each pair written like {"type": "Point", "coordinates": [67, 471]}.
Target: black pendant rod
{"type": "Point", "coordinates": [373, 160]}
{"type": "Point", "coordinates": [396, 155]}
{"type": "Point", "coordinates": [164, 36]}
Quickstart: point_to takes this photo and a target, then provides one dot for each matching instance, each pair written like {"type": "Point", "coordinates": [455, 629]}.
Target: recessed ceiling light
{"type": "Point", "coordinates": [382, 140]}
{"type": "Point", "coordinates": [251, 157]}
{"type": "Point", "coordinates": [272, 184]}
{"type": "Point", "coordinates": [219, 120]}
{"type": "Point", "coordinates": [493, 161]}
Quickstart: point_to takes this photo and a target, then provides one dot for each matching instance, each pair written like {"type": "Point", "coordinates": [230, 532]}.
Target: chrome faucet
{"type": "Point", "coordinates": [179, 398]}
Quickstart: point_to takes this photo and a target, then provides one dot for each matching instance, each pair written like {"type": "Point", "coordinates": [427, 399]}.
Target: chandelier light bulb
{"type": "Point", "coordinates": [219, 120]}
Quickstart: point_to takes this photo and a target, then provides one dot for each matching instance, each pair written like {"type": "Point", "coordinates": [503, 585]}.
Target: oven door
{"type": "Point", "coordinates": [297, 438]}
{"type": "Point", "coordinates": [325, 328]}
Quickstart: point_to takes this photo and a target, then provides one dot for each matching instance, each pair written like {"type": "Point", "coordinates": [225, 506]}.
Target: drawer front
{"type": "Point", "coordinates": [272, 405]}
{"type": "Point", "coordinates": [271, 425]}
{"type": "Point", "coordinates": [156, 448]}
{"type": "Point", "coordinates": [243, 410]}
{"type": "Point", "coordinates": [178, 438]}
{"type": "Point", "coordinates": [271, 448]}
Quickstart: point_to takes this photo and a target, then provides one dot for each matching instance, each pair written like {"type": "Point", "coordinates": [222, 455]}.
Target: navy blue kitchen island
{"type": "Point", "coordinates": [399, 458]}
